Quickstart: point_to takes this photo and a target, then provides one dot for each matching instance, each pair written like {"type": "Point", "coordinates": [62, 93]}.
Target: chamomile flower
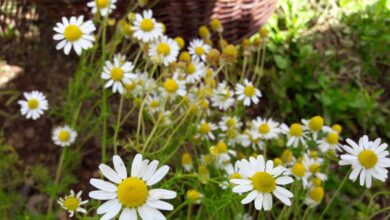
{"type": "Point", "coordinates": [261, 179]}
{"type": "Point", "coordinates": [313, 166]}
{"type": "Point", "coordinates": [194, 196]}
{"type": "Point", "coordinates": [223, 97]}
{"type": "Point", "coordinates": [367, 158]}
{"type": "Point", "coordinates": [117, 74]}
{"type": "Point", "coordinates": [174, 86]}
{"type": "Point", "coordinates": [72, 203]}
{"type": "Point", "coordinates": [248, 138]}
{"type": "Point", "coordinates": [103, 7]}
{"type": "Point", "coordinates": [205, 130]}
{"type": "Point", "coordinates": [300, 172]}
{"type": "Point", "coordinates": [314, 125]}
{"type": "Point", "coordinates": [64, 136]}
{"type": "Point", "coordinates": [74, 32]}
{"type": "Point", "coordinates": [186, 162]}
{"type": "Point", "coordinates": [232, 172]}
{"type": "Point", "coordinates": [266, 128]}
{"type": "Point", "coordinates": [248, 93]}
{"type": "Point", "coordinates": [315, 196]}
{"type": "Point", "coordinates": [194, 71]}
{"type": "Point", "coordinates": [154, 102]}
{"type": "Point", "coordinates": [329, 142]}
{"type": "Point", "coordinates": [198, 50]}
{"type": "Point", "coordinates": [229, 122]}
{"type": "Point", "coordinates": [34, 105]}
{"type": "Point", "coordinates": [146, 28]}
{"type": "Point", "coordinates": [132, 194]}
{"type": "Point", "coordinates": [164, 51]}
{"type": "Point", "coordinates": [222, 153]}
{"type": "Point", "coordinates": [295, 135]}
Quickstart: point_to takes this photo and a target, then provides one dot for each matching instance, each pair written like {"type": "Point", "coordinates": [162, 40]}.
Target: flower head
{"type": "Point", "coordinates": [34, 105]}
{"type": "Point", "coordinates": [132, 193]}
{"type": "Point", "coordinates": [117, 73]}
{"type": "Point", "coordinates": [146, 28]}
{"type": "Point", "coordinates": [198, 49]}
{"type": "Point", "coordinates": [64, 136]}
{"type": "Point", "coordinates": [72, 203]}
{"type": "Point", "coordinates": [164, 51]}
{"type": "Point", "coordinates": [103, 7]}
{"type": "Point", "coordinates": [74, 32]}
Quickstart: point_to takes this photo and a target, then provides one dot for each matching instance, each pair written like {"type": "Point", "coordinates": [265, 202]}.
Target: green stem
{"type": "Point", "coordinates": [118, 121]}
{"type": "Point", "coordinates": [335, 194]}
{"type": "Point", "coordinates": [104, 96]}
{"type": "Point", "coordinates": [56, 180]}
{"type": "Point", "coordinates": [176, 210]}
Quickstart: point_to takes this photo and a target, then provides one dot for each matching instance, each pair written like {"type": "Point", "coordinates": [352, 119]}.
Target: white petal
{"type": "Point", "coordinates": [144, 213]}
{"type": "Point", "coordinates": [267, 201]}
{"type": "Point", "coordinates": [158, 175]}
{"type": "Point", "coordinates": [242, 188]}
{"type": "Point", "coordinates": [112, 212]}
{"type": "Point", "coordinates": [284, 180]}
{"type": "Point", "coordinates": [136, 165]}
{"type": "Point", "coordinates": [259, 201]}
{"type": "Point", "coordinates": [282, 198]}
{"type": "Point", "coordinates": [150, 170]}
{"type": "Point", "coordinates": [128, 214]}
{"type": "Point", "coordinates": [354, 174]}
{"type": "Point", "coordinates": [284, 191]}
{"type": "Point", "coordinates": [241, 181]}
{"type": "Point", "coordinates": [162, 194]}
{"type": "Point", "coordinates": [160, 205]}
{"type": "Point", "coordinates": [107, 206]}
{"type": "Point", "coordinates": [110, 173]}
{"type": "Point", "coordinates": [102, 195]}
{"type": "Point", "coordinates": [120, 167]}
{"type": "Point", "coordinates": [250, 197]}
{"type": "Point", "coordinates": [103, 185]}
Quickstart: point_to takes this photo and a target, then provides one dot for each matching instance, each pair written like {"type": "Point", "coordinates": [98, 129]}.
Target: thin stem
{"type": "Point", "coordinates": [56, 180]}
{"type": "Point", "coordinates": [118, 121]}
{"type": "Point", "coordinates": [335, 194]}
{"type": "Point", "coordinates": [104, 96]}
{"type": "Point", "coordinates": [176, 210]}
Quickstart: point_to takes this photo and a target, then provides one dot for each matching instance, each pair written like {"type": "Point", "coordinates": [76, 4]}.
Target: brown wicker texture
{"type": "Point", "coordinates": [240, 18]}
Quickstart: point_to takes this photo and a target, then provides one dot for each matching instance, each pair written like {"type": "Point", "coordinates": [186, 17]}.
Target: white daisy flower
{"type": "Point", "coordinates": [223, 97]}
{"type": "Point", "coordinates": [330, 142]}
{"type": "Point", "coordinates": [198, 50]}
{"type": "Point", "coordinates": [314, 196]}
{"type": "Point", "coordinates": [205, 130]}
{"type": "Point", "coordinates": [34, 105]}
{"type": "Point", "coordinates": [141, 84]}
{"type": "Point", "coordinates": [64, 136]}
{"type": "Point", "coordinates": [313, 165]}
{"type": "Point", "coordinates": [117, 74]}
{"type": "Point", "coordinates": [248, 93]}
{"type": "Point", "coordinates": [132, 194]}
{"type": "Point", "coordinates": [247, 138]}
{"type": "Point", "coordinates": [222, 154]}
{"type": "Point", "coordinates": [266, 128]}
{"type": "Point", "coordinates": [72, 203]}
{"type": "Point", "coordinates": [261, 179]}
{"type": "Point", "coordinates": [194, 71]}
{"type": "Point", "coordinates": [228, 122]}
{"type": "Point", "coordinates": [164, 51]}
{"type": "Point", "coordinates": [146, 28]}
{"type": "Point", "coordinates": [173, 86]}
{"type": "Point", "coordinates": [74, 33]}
{"type": "Point", "coordinates": [314, 125]}
{"type": "Point", "coordinates": [367, 158]}
{"type": "Point", "coordinates": [232, 173]}
{"type": "Point", "coordinates": [295, 134]}
{"type": "Point", "coordinates": [154, 102]}
{"type": "Point", "coordinates": [104, 7]}
{"type": "Point", "coordinates": [300, 172]}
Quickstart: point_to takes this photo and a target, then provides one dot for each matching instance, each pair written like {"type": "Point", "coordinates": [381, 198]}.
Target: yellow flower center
{"type": "Point", "coordinates": [314, 167]}
{"type": "Point", "coordinates": [205, 128]}
{"type": "Point", "coordinates": [337, 128]}
{"type": "Point", "coordinates": [249, 91]}
{"type": "Point", "coordinates": [277, 161]}
{"type": "Point", "coordinates": [199, 51]}
{"type": "Point", "coordinates": [316, 123]}
{"type": "Point", "coordinates": [71, 203]}
{"type": "Point", "coordinates": [264, 128]}
{"type": "Point", "coordinates": [63, 136]}
{"type": "Point", "coordinates": [221, 147]}
{"type": "Point", "coordinates": [147, 24]}
{"type": "Point", "coordinates": [154, 103]}
{"type": "Point", "coordinates": [101, 3]}
{"type": "Point", "coordinates": [203, 171]}
{"type": "Point", "coordinates": [316, 181]}
{"type": "Point", "coordinates": [263, 182]}
{"type": "Point", "coordinates": [235, 176]}
{"type": "Point", "coordinates": [317, 194]}
{"type": "Point", "coordinates": [117, 73]}
{"type": "Point", "coordinates": [190, 69]}
{"type": "Point", "coordinates": [332, 138]}
{"type": "Point", "coordinates": [287, 156]}
{"type": "Point", "coordinates": [32, 103]}
{"type": "Point", "coordinates": [298, 169]}
{"type": "Point", "coordinates": [314, 154]}
{"type": "Point", "coordinates": [193, 195]}
{"type": "Point", "coordinates": [368, 158]}
{"type": "Point", "coordinates": [163, 49]}
{"type": "Point", "coordinates": [204, 104]}
{"type": "Point", "coordinates": [72, 33]}
{"type": "Point", "coordinates": [132, 192]}
{"type": "Point", "coordinates": [130, 86]}
{"type": "Point", "coordinates": [296, 130]}
{"type": "Point", "coordinates": [186, 159]}
{"type": "Point", "coordinates": [230, 122]}
{"type": "Point", "coordinates": [171, 85]}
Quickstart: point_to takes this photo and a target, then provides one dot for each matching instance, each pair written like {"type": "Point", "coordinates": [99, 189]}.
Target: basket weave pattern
{"type": "Point", "coordinates": [240, 18]}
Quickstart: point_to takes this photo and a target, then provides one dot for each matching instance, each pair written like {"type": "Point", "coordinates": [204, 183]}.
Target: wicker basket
{"type": "Point", "coordinates": [240, 18]}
